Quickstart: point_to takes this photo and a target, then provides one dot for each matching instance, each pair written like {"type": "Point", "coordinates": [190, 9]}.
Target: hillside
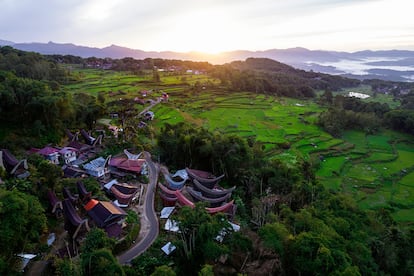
{"type": "Point", "coordinates": [272, 77]}
{"type": "Point", "coordinates": [316, 183]}
{"type": "Point", "coordinates": [355, 64]}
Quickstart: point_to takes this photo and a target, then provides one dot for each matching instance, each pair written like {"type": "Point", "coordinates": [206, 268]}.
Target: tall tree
{"type": "Point", "coordinates": [22, 223]}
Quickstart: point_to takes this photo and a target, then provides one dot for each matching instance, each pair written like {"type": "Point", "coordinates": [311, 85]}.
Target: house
{"type": "Point", "coordinates": [73, 222]}
{"type": "Point", "coordinates": [164, 97]}
{"type": "Point", "coordinates": [168, 248]}
{"type": "Point", "coordinates": [142, 124]}
{"type": "Point", "coordinates": [72, 172]}
{"type": "Point", "coordinates": [139, 101]}
{"type": "Point", "coordinates": [51, 154]}
{"type": "Point", "coordinates": [80, 147]}
{"type": "Point", "coordinates": [114, 115]}
{"type": "Point", "coordinates": [166, 212]}
{"type": "Point", "coordinates": [106, 215]}
{"type": "Point", "coordinates": [149, 115]}
{"type": "Point", "coordinates": [97, 167]}
{"type": "Point", "coordinates": [92, 141]}
{"type": "Point", "coordinates": [128, 165]}
{"type": "Point", "coordinates": [68, 154]}
{"type": "Point", "coordinates": [124, 194]}
{"type": "Point", "coordinates": [13, 166]}
{"type": "Point", "coordinates": [71, 136]}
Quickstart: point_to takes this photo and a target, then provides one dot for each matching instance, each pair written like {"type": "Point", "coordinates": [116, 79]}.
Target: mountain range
{"type": "Point", "coordinates": [395, 65]}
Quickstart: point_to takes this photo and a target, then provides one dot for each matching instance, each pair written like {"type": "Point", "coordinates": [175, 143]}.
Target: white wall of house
{"type": "Point", "coordinates": [53, 158]}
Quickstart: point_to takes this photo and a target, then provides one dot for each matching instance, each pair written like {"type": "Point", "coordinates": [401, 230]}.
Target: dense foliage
{"type": "Point", "coordinates": [309, 230]}
{"type": "Point", "coordinates": [271, 77]}
{"type": "Point", "coordinates": [133, 65]}
{"type": "Point", "coordinates": [31, 65]}
{"type": "Point", "coordinates": [22, 223]}
{"type": "Point", "coordinates": [32, 109]}
{"type": "Point", "coordinates": [352, 113]}
{"type": "Point", "coordinates": [290, 224]}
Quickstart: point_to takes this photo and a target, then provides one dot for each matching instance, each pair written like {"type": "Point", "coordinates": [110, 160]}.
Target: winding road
{"type": "Point", "coordinates": [149, 222]}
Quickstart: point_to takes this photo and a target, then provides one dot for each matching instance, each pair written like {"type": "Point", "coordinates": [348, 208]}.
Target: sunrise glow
{"type": "Point", "coordinates": [213, 26]}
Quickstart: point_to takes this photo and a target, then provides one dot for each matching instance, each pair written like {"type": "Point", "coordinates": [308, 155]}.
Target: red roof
{"type": "Point", "coordinates": [127, 164]}
{"type": "Point", "coordinates": [47, 151]}
{"type": "Point", "coordinates": [91, 203]}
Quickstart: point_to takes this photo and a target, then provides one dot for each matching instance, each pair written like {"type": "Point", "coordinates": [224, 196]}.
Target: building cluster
{"type": "Point", "coordinates": [79, 208]}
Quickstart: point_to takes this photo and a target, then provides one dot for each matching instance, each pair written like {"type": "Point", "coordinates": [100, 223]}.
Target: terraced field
{"type": "Point", "coordinates": [378, 170]}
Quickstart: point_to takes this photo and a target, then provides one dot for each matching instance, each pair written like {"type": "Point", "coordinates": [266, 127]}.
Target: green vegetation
{"type": "Point", "coordinates": [324, 184]}
{"type": "Point", "coordinates": [284, 127]}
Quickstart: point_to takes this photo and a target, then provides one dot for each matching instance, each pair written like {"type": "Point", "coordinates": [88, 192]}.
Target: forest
{"type": "Point", "coordinates": [291, 224]}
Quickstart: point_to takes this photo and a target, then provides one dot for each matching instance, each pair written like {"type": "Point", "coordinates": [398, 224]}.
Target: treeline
{"type": "Point", "coordinates": [352, 113]}
{"type": "Point", "coordinates": [271, 77]}
{"type": "Point", "coordinates": [259, 75]}
{"type": "Point", "coordinates": [131, 64]}
{"type": "Point", "coordinates": [32, 107]}
{"type": "Point", "coordinates": [390, 87]}
{"type": "Point", "coordinates": [31, 65]}
{"type": "Point", "coordinates": [291, 225]}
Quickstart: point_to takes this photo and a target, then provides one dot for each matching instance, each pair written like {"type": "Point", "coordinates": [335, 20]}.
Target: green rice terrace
{"type": "Point", "coordinates": [378, 170]}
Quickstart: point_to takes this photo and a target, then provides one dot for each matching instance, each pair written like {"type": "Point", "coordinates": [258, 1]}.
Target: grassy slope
{"type": "Point", "coordinates": [376, 169]}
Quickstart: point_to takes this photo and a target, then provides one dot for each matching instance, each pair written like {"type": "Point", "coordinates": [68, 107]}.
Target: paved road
{"type": "Point", "coordinates": [149, 221]}
{"type": "Point", "coordinates": [150, 106]}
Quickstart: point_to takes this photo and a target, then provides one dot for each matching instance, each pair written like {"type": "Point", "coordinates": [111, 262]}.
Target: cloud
{"type": "Point", "coordinates": [233, 24]}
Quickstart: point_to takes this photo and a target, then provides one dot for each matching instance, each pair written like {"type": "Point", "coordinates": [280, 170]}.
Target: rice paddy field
{"type": "Point", "coordinates": [377, 170]}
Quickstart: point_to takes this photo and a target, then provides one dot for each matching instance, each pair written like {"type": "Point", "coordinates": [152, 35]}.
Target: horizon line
{"type": "Point", "coordinates": [394, 48]}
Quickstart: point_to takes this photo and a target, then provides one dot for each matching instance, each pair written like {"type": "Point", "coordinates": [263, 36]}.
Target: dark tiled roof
{"type": "Point", "coordinates": [105, 213]}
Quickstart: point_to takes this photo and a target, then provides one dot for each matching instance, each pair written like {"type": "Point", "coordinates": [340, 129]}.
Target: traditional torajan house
{"type": "Point", "coordinates": [212, 202]}
{"type": "Point", "coordinates": [72, 136]}
{"type": "Point", "coordinates": [72, 172]}
{"type": "Point", "coordinates": [205, 178]}
{"type": "Point", "coordinates": [123, 193]}
{"type": "Point", "coordinates": [97, 167]}
{"type": "Point", "coordinates": [216, 192]}
{"type": "Point", "coordinates": [84, 194]}
{"type": "Point", "coordinates": [13, 166]}
{"type": "Point", "coordinates": [92, 141]}
{"type": "Point", "coordinates": [73, 223]}
{"type": "Point", "coordinates": [55, 203]}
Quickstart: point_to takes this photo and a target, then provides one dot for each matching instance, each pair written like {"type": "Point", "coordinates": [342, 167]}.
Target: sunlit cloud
{"type": "Point", "coordinates": [212, 25]}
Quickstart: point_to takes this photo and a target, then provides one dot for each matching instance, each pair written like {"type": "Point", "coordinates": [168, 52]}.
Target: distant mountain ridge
{"type": "Point", "coordinates": [397, 65]}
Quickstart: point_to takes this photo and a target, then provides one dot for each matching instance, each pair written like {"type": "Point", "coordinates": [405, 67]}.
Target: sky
{"type": "Point", "coordinates": [212, 25]}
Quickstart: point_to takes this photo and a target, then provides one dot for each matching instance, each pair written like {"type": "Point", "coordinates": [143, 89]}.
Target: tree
{"type": "Point", "coordinates": [49, 172]}
{"type": "Point", "coordinates": [207, 270]}
{"type": "Point", "coordinates": [275, 236]}
{"type": "Point", "coordinates": [22, 223]}
{"type": "Point", "coordinates": [327, 97]}
{"type": "Point", "coordinates": [155, 75]}
{"type": "Point", "coordinates": [198, 231]}
{"type": "Point", "coordinates": [100, 262]}
{"type": "Point", "coordinates": [163, 270]}
{"type": "Point", "coordinates": [66, 267]}
{"type": "Point", "coordinates": [97, 239]}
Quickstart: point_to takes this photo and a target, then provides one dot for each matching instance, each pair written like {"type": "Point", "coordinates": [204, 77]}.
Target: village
{"type": "Point", "coordinates": [130, 182]}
